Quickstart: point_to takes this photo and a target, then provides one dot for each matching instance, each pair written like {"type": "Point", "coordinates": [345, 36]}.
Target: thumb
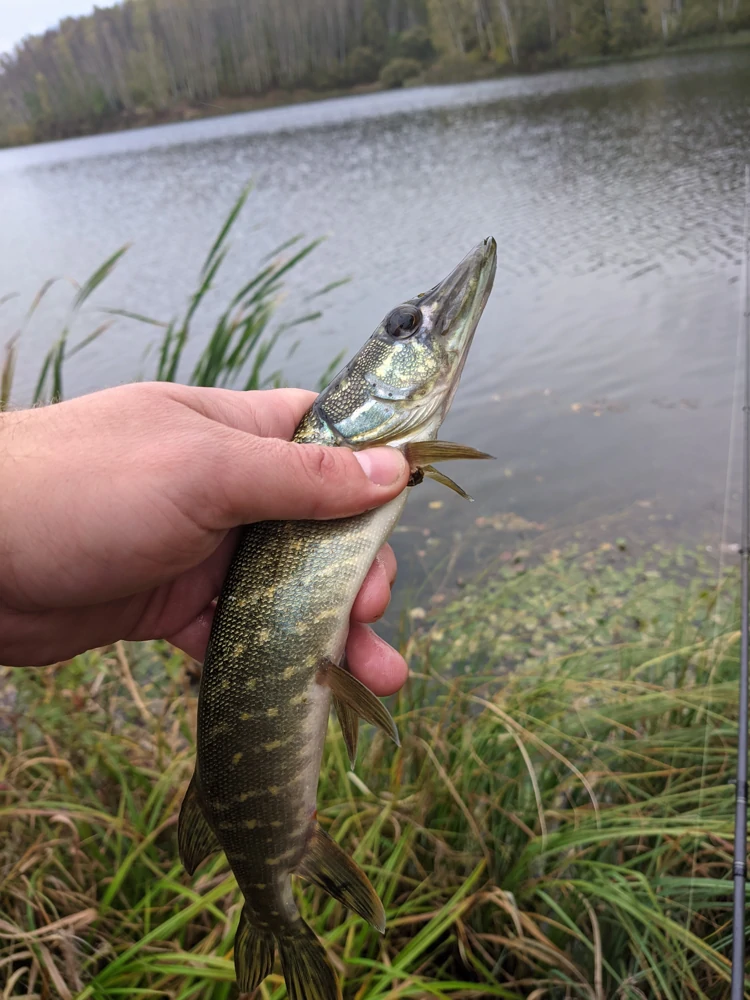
{"type": "Point", "coordinates": [269, 479]}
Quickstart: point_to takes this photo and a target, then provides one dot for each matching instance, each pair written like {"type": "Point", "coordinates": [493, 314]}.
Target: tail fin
{"type": "Point", "coordinates": [253, 955]}
{"type": "Point", "coordinates": [308, 974]}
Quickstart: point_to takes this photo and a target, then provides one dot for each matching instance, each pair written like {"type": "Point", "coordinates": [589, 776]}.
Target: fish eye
{"type": "Point", "coordinates": [403, 321]}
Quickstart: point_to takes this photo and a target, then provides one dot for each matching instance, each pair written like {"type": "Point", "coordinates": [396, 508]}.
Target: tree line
{"type": "Point", "coordinates": [154, 57]}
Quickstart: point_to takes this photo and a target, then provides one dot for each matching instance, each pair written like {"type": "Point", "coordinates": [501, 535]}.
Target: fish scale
{"type": "Point", "coordinates": [263, 642]}
{"type": "Point", "coordinates": [274, 660]}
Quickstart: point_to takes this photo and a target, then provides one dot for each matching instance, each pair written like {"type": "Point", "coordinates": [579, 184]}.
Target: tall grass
{"type": "Point", "coordinates": [557, 823]}
{"type": "Point", "coordinates": [235, 352]}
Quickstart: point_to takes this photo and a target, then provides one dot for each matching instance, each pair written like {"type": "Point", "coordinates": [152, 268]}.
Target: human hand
{"type": "Point", "coordinates": [119, 514]}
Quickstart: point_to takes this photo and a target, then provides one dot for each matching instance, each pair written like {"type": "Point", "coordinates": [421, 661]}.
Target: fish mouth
{"type": "Point", "coordinates": [453, 308]}
{"type": "Point", "coordinates": [455, 305]}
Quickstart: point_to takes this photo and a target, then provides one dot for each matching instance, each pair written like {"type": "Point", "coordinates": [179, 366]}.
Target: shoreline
{"type": "Point", "coordinates": [186, 111]}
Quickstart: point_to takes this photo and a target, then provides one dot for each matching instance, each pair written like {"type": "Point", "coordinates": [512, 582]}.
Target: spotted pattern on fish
{"type": "Point", "coordinates": [279, 633]}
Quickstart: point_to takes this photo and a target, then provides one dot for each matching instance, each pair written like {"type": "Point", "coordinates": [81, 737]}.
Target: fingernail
{"type": "Point", "coordinates": [382, 466]}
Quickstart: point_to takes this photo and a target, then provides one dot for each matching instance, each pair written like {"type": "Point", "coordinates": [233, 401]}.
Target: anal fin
{"type": "Point", "coordinates": [195, 838]}
{"type": "Point", "coordinates": [326, 865]}
{"type": "Point", "coordinates": [357, 698]}
{"type": "Point", "coordinates": [254, 951]}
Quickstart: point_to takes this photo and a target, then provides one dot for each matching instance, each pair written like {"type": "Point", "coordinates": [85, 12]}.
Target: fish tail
{"type": "Point", "coordinates": [253, 955]}
{"type": "Point", "coordinates": [308, 973]}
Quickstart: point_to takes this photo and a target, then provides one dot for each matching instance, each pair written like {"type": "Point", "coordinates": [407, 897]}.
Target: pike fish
{"type": "Point", "coordinates": [275, 658]}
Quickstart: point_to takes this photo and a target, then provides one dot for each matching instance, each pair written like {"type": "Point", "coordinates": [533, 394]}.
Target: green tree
{"type": "Point", "coordinates": [415, 43]}
{"type": "Point", "coordinates": [157, 54]}
{"type": "Point", "coordinates": [398, 71]}
{"type": "Point", "coordinates": [590, 34]}
{"type": "Point", "coordinates": [362, 66]}
{"type": "Point", "coordinates": [374, 30]}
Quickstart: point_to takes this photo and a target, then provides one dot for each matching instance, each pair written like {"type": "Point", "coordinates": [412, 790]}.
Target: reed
{"type": "Point", "coordinates": [237, 346]}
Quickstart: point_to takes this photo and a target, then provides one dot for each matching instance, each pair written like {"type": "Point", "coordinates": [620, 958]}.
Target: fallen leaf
{"type": "Point", "coordinates": [508, 522]}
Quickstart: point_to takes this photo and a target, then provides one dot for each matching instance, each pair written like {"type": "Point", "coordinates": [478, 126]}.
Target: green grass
{"type": "Point", "coordinates": [684, 45]}
{"type": "Point", "coordinates": [558, 822]}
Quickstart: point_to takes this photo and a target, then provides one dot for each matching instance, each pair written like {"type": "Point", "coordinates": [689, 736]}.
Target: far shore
{"type": "Point", "coordinates": [143, 117]}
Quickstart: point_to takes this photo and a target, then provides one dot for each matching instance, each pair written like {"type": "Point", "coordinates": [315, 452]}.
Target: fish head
{"type": "Point", "coordinates": [399, 386]}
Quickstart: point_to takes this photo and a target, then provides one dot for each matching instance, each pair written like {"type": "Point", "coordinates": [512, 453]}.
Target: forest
{"type": "Point", "coordinates": [157, 60]}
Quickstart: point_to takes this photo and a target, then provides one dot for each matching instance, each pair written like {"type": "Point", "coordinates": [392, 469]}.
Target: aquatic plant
{"type": "Point", "coordinates": [237, 348]}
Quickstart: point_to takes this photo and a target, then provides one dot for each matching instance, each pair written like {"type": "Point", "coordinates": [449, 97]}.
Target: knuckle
{"type": "Point", "coordinates": [326, 470]}
{"type": "Point", "coordinates": [324, 464]}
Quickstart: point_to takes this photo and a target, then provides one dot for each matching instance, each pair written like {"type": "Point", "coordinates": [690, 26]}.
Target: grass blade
{"type": "Point", "coordinates": [210, 261]}
{"type": "Point", "coordinates": [100, 274]}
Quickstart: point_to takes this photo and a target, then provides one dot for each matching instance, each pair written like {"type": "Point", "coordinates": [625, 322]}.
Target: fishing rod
{"type": "Point", "coordinates": [739, 866]}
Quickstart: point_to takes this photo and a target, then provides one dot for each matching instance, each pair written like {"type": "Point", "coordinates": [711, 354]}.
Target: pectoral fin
{"type": "Point", "coordinates": [358, 699]}
{"type": "Point", "coordinates": [422, 453]}
{"type": "Point", "coordinates": [439, 477]}
{"type": "Point", "coordinates": [327, 866]}
{"type": "Point", "coordinates": [195, 838]}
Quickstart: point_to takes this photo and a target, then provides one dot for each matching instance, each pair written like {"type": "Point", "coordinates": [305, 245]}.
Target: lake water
{"type": "Point", "coordinates": [603, 371]}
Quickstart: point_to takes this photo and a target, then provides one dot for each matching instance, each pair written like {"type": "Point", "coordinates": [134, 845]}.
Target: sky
{"type": "Point", "coordinates": [31, 17]}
